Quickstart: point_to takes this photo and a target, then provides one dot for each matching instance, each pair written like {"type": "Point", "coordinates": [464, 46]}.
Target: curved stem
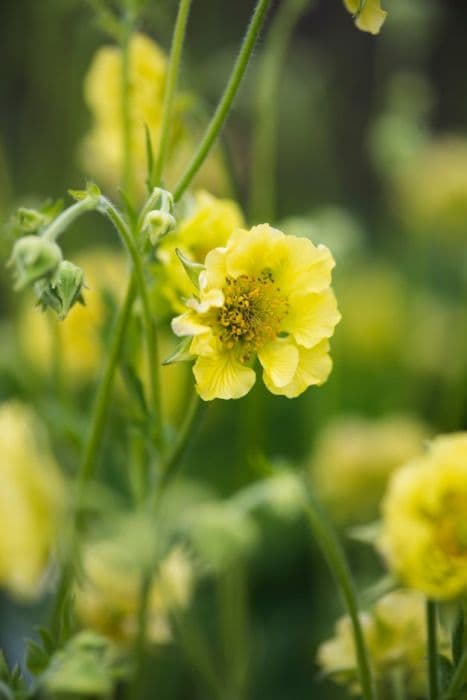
{"type": "Point", "coordinates": [432, 640]}
{"type": "Point", "coordinates": [109, 210]}
{"type": "Point", "coordinates": [67, 217]}
{"type": "Point", "coordinates": [264, 156]}
{"type": "Point", "coordinates": [170, 87]}
{"type": "Point", "coordinates": [335, 558]}
{"type": "Point", "coordinates": [88, 461]}
{"type": "Point", "coordinates": [225, 103]}
{"type": "Point", "coordinates": [458, 679]}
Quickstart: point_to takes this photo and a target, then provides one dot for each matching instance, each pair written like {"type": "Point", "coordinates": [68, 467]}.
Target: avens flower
{"type": "Point", "coordinates": [264, 295]}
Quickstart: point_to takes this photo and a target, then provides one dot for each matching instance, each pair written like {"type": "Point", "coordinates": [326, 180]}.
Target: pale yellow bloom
{"type": "Point", "coordinates": [207, 224]}
{"type": "Point", "coordinates": [395, 634]}
{"type": "Point", "coordinates": [424, 534]}
{"type": "Point", "coordinates": [431, 191]}
{"type": "Point", "coordinates": [108, 598]}
{"type": "Point", "coordinates": [264, 295]}
{"type": "Point", "coordinates": [371, 17]}
{"type": "Point", "coordinates": [32, 501]}
{"type": "Point", "coordinates": [373, 302]}
{"type": "Point", "coordinates": [103, 147]}
{"type": "Point", "coordinates": [80, 335]}
{"type": "Point", "coordinates": [354, 458]}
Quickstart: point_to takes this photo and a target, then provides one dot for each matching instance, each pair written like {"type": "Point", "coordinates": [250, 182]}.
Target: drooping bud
{"type": "Point", "coordinates": [63, 290]}
{"type": "Point", "coordinates": [158, 223]}
{"type": "Point", "coordinates": [33, 257]}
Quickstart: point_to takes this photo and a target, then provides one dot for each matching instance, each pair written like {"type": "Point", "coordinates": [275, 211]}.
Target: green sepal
{"type": "Point", "coordinates": [192, 269]}
{"type": "Point", "coordinates": [181, 354]}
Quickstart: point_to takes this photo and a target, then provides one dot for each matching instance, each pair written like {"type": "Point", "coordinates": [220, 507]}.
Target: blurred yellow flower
{"type": "Point", "coordinates": [373, 302]}
{"type": "Point", "coordinates": [431, 190]}
{"type": "Point", "coordinates": [369, 17]}
{"type": "Point", "coordinates": [208, 224]}
{"type": "Point", "coordinates": [103, 147]}
{"type": "Point", "coordinates": [108, 598]}
{"type": "Point", "coordinates": [395, 634]}
{"type": "Point", "coordinates": [424, 535]}
{"type": "Point", "coordinates": [354, 458]}
{"type": "Point", "coordinates": [80, 335]}
{"type": "Point", "coordinates": [264, 295]}
{"type": "Point", "coordinates": [32, 501]}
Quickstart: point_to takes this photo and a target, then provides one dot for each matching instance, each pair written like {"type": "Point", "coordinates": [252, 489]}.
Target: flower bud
{"type": "Point", "coordinates": [30, 220]}
{"type": "Point", "coordinates": [32, 258]}
{"type": "Point", "coordinates": [63, 290]}
{"type": "Point", "coordinates": [158, 223]}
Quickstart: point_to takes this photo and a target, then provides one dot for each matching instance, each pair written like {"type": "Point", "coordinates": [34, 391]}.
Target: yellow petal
{"type": "Point", "coordinates": [307, 267]}
{"type": "Point", "coordinates": [212, 298]}
{"type": "Point", "coordinates": [188, 324]}
{"type": "Point", "coordinates": [279, 360]}
{"type": "Point", "coordinates": [312, 317]}
{"type": "Point", "coordinates": [222, 377]}
{"type": "Point", "coordinates": [251, 252]}
{"type": "Point", "coordinates": [314, 367]}
{"type": "Point", "coordinates": [371, 18]}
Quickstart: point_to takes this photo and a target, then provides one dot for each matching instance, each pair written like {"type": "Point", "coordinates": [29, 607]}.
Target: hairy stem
{"type": "Point", "coordinates": [225, 103]}
{"type": "Point", "coordinates": [337, 563]}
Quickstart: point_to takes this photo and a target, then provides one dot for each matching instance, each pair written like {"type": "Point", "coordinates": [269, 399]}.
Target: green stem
{"type": "Point", "coordinates": [170, 87]}
{"type": "Point", "coordinates": [187, 429]}
{"type": "Point", "coordinates": [66, 218]}
{"type": "Point", "coordinates": [264, 156]}
{"type": "Point", "coordinates": [459, 678]}
{"type": "Point", "coordinates": [88, 462]}
{"type": "Point", "coordinates": [225, 103]}
{"type": "Point", "coordinates": [398, 684]}
{"type": "Point", "coordinates": [109, 210]}
{"type": "Point", "coordinates": [337, 563]}
{"type": "Point", "coordinates": [432, 640]}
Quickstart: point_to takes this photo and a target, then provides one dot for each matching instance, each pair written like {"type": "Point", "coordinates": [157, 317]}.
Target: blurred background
{"type": "Point", "coordinates": [370, 148]}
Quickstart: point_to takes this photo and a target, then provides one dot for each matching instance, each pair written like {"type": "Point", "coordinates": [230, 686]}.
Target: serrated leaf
{"type": "Point", "coordinates": [37, 659]}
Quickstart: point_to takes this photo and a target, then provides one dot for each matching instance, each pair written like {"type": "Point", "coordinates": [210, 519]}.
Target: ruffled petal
{"type": "Point", "coordinates": [312, 317]}
{"type": "Point", "coordinates": [188, 324]}
{"type": "Point", "coordinates": [302, 268]}
{"type": "Point", "coordinates": [251, 252]}
{"type": "Point", "coordinates": [371, 18]}
{"type": "Point", "coordinates": [214, 298]}
{"type": "Point", "coordinates": [314, 367]}
{"type": "Point", "coordinates": [222, 377]}
{"type": "Point", "coordinates": [279, 360]}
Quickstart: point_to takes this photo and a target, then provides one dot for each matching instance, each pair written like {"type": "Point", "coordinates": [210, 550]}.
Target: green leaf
{"type": "Point", "coordinates": [446, 670]}
{"type": "Point", "coordinates": [192, 269]}
{"type": "Point", "coordinates": [37, 658]}
{"type": "Point", "coordinates": [149, 159]}
{"type": "Point", "coordinates": [181, 354]}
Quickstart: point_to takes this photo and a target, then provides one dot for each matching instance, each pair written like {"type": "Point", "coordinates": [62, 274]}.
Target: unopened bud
{"type": "Point", "coordinates": [63, 290]}
{"type": "Point", "coordinates": [158, 223]}
{"type": "Point", "coordinates": [32, 258]}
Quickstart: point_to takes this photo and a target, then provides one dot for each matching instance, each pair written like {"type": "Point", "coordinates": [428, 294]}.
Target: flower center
{"type": "Point", "coordinates": [252, 312]}
{"type": "Point", "coordinates": [451, 526]}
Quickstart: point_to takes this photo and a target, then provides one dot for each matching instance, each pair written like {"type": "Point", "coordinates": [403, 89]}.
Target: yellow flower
{"type": "Point", "coordinates": [32, 495]}
{"type": "Point", "coordinates": [395, 634]}
{"type": "Point", "coordinates": [424, 534]}
{"type": "Point", "coordinates": [354, 458]}
{"type": "Point", "coordinates": [264, 295]}
{"type": "Point", "coordinates": [374, 311]}
{"type": "Point", "coordinates": [103, 148]}
{"type": "Point", "coordinates": [207, 225]}
{"type": "Point", "coordinates": [108, 598]}
{"type": "Point", "coordinates": [80, 334]}
{"type": "Point", "coordinates": [370, 18]}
